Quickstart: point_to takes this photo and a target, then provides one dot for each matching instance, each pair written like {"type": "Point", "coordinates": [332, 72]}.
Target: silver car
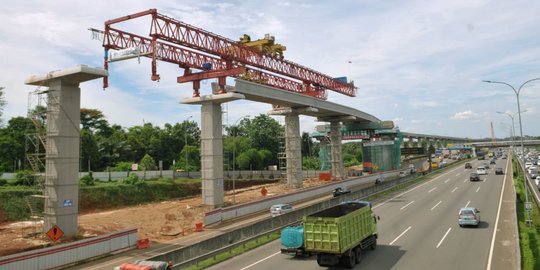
{"type": "Point", "coordinates": [469, 216]}
{"type": "Point", "coordinates": [280, 209]}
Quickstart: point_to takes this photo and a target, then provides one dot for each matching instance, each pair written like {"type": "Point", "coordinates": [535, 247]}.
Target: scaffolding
{"type": "Point", "coordinates": [35, 149]}
{"type": "Point", "coordinates": [282, 156]}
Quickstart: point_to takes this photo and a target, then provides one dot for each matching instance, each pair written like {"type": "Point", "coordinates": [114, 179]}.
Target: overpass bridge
{"type": "Point", "coordinates": [505, 143]}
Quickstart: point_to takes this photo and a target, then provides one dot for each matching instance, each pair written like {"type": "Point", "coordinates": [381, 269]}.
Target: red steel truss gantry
{"type": "Point", "coordinates": [215, 56]}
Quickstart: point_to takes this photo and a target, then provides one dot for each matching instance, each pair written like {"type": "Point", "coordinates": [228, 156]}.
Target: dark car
{"type": "Point", "coordinates": [492, 162]}
{"type": "Point", "coordinates": [468, 165]}
{"type": "Point", "coordinates": [499, 171]}
{"type": "Point", "coordinates": [474, 177]}
{"type": "Point", "coordinates": [340, 191]}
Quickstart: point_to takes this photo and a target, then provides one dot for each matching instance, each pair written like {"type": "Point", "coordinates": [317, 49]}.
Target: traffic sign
{"type": "Point", "coordinates": [55, 233]}
{"type": "Point", "coordinates": [528, 206]}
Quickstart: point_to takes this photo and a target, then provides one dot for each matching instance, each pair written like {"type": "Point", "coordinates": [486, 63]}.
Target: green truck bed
{"type": "Point", "coordinates": [339, 228]}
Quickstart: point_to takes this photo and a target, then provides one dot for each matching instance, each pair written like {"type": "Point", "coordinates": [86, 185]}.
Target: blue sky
{"type": "Point", "coordinates": [419, 63]}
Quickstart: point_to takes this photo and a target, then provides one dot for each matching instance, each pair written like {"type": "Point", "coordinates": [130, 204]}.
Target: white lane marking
{"type": "Point", "coordinates": [467, 205]}
{"type": "Point", "coordinates": [497, 220]}
{"type": "Point", "coordinates": [432, 190]}
{"type": "Point", "coordinates": [446, 181]}
{"type": "Point", "coordinates": [261, 260]}
{"type": "Point", "coordinates": [406, 205]}
{"type": "Point", "coordinates": [400, 235]}
{"type": "Point", "coordinates": [465, 180]}
{"type": "Point", "coordinates": [442, 239]}
{"type": "Point", "coordinates": [477, 189]}
{"type": "Point", "coordinates": [436, 205]}
{"type": "Point", "coordinates": [405, 192]}
{"type": "Point", "coordinates": [454, 189]}
{"type": "Point", "coordinates": [458, 174]}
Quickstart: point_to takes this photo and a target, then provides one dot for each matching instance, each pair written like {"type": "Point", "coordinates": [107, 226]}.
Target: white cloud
{"type": "Point", "coordinates": [466, 115]}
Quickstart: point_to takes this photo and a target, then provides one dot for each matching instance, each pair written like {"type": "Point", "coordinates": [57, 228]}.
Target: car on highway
{"type": "Point", "coordinates": [402, 174]}
{"type": "Point", "coordinates": [469, 216]}
{"type": "Point", "coordinates": [340, 191]}
{"type": "Point", "coordinates": [499, 171]}
{"type": "Point", "coordinates": [481, 170]}
{"type": "Point", "coordinates": [504, 157]}
{"type": "Point", "coordinates": [528, 164]}
{"type": "Point", "coordinates": [486, 166]}
{"type": "Point", "coordinates": [493, 161]}
{"type": "Point", "coordinates": [280, 209]}
{"type": "Point", "coordinates": [537, 181]}
{"type": "Point", "coordinates": [474, 177]}
{"type": "Point", "coordinates": [468, 165]}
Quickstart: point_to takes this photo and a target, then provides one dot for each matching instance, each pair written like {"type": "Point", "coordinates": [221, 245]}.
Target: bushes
{"type": "Point", "coordinates": [88, 180]}
{"type": "Point", "coordinates": [24, 178]}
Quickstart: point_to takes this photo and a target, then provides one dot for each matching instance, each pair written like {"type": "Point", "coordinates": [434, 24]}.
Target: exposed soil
{"type": "Point", "coordinates": [157, 221]}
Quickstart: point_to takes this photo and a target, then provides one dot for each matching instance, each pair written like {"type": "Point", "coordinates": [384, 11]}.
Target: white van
{"type": "Point", "coordinates": [481, 171]}
{"type": "Point", "coordinates": [528, 164]}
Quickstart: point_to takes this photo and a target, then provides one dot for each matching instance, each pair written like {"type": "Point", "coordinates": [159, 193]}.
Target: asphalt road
{"type": "Point", "coordinates": [418, 228]}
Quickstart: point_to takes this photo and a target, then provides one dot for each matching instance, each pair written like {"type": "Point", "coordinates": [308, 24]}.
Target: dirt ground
{"type": "Point", "coordinates": [158, 221]}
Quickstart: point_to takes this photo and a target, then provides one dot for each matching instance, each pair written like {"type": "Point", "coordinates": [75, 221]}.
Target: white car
{"type": "Point", "coordinates": [280, 209]}
{"type": "Point", "coordinates": [528, 164]}
{"type": "Point", "coordinates": [481, 171]}
{"type": "Point", "coordinates": [537, 180]}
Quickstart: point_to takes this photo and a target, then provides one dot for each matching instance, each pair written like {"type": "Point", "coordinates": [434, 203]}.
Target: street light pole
{"type": "Point", "coordinates": [233, 158]}
{"type": "Point", "coordinates": [521, 135]}
{"type": "Point", "coordinates": [185, 144]}
{"type": "Point", "coordinates": [513, 132]}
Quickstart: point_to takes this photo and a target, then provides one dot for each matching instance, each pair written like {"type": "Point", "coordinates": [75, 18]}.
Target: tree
{"type": "Point", "coordinates": [249, 160]}
{"type": "Point", "coordinates": [90, 156]}
{"type": "Point", "coordinates": [194, 158]}
{"type": "Point", "coordinates": [307, 145]}
{"type": "Point", "coordinates": [264, 133]}
{"type": "Point", "coordinates": [13, 142]}
{"type": "Point", "coordinates": [147, 163]}
{"type": "Point", "coordinates": [94, 121]}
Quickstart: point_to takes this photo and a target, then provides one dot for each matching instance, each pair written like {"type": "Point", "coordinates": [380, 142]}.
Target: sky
{"type": "Point", "coordinates": [418, 63]}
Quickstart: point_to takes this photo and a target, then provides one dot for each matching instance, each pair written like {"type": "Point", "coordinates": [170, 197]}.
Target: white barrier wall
{"type": "Point", "coordinates": [231, 212]}
{"type": "Point", "coordinates": [69, 253]}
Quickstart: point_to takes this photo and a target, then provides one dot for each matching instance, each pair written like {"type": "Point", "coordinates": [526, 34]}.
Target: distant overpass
{"type": "Point", "coordinates": [434, 137]}
{"type": "Point", "coordinates": [505, 143]}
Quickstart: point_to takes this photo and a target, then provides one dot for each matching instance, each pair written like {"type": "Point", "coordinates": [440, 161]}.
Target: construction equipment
{"type": "Point", "coordinates": [213, 56]}
{"type": "Point", "coordinates": [265, 45]}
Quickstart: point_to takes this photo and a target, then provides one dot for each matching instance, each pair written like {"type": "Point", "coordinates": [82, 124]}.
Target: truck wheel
{"type": "Point", "coordinates": [358, 255]}
{"type": "Point", "coordinates": [373, 245]}
{"type": "Point", "coordinates": [349, 261]}
{"type": "Point", "coordinates": [319, 260]}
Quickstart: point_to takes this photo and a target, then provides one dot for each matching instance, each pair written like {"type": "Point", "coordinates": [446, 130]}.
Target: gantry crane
{"type": "Point", "coordinates": [213, 56]}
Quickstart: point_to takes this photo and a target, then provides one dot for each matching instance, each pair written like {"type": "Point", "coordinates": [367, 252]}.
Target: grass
{"type": "Point", "coordinates": [529, 237]}
{"type": "Point", "coordinates": [259, 241]}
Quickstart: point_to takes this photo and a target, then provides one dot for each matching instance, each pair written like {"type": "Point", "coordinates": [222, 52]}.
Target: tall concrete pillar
{"type": "Point", "coordinates": [337, 158]}
{"type": "Point", "coordinates": [293, 150]}
{"type": "Point", "coordinates": [212, 145]}
{"type": "Point", "coordinates": [212, 154]}
{"type": "Point", "coordinates": [61, 192]}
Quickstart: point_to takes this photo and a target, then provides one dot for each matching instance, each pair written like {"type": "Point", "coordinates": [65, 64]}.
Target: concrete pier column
{"type": "Point", "coordinates": [212, 145]}
{"type": "Point", "coordinates": [61, 207]}
{"type": "Point", "coordinates": [212, 154]}
{"type": "Point", "coordinates": [293, 150]}
{"type": "Point", "coordinates": [337, 158]}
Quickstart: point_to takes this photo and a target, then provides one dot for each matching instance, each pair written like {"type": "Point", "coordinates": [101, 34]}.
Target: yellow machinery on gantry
{"type": "Point", "coordinates": [265, 45]}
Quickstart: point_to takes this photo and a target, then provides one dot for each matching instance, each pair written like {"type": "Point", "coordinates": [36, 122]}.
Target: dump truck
{"type": "Point", "coordinates": [341, 234]}
{"type": "Point", "coordinates": [292, 241]}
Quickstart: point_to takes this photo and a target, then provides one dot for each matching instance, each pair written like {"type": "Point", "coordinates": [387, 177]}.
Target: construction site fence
{"type": "Point", "coordinates": [228, 175]}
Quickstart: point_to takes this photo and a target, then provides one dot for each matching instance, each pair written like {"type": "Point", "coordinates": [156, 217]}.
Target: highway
{"type": "Point", "coordinates": [418, 228]}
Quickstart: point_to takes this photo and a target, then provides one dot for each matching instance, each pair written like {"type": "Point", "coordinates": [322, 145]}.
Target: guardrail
{"type": "Point", "coordinates": [70, 253]}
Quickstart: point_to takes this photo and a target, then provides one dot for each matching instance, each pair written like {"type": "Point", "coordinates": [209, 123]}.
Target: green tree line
{"type": "Point", "coordinates": [253, 144]}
